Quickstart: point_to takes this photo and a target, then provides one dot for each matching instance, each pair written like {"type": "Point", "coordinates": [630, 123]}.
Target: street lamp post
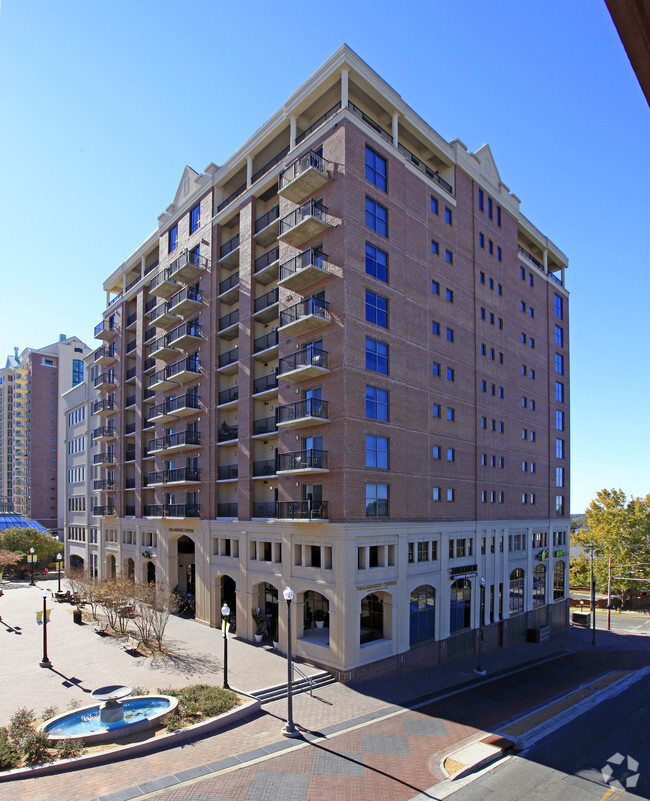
{"type": "Point", "coordinates": [225, 614]}
{"type": "Point", "coordinates": [31, 560]}
{"type": "Point", "coordinates": [593, 599]}
{"type": "Point", "coordinates": [289, 730]}
{"type": "Point", "coordinates": [479, 669]}
{"type": "Point", "coordinates": [58, 561]}
{"type": "Point", "coordinates": [45, 662]}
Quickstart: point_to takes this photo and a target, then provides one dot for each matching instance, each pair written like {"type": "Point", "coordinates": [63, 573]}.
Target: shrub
{"type": "Point", "coordinates": [74, 704]}
{"type": "Point", "coordinates": [140, 691]}
{"type": "Point", "coordinates": [21, 725]}
{"type": "Point", "coordinates": [69, 748]}
{"type": "Point", "coordinates": [203, 699]}
{"type": "Point", "coordinates": [9, 756]}
{"type": "Point", "coordinates": [35, 748]}
{"type": "Point", "coordinates": [49, 712]}
{"type": "Point", "coordinates": [172, 721]}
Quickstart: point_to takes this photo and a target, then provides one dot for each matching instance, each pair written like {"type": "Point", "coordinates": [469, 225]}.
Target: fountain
{"type": "Point", "coordinates": [113, 719]}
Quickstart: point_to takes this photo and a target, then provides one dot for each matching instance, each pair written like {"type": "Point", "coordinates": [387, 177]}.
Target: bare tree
{"type": "Point", "coordinates": [143, 603]}
{"type": "Point", "coordinates": [164, 603]}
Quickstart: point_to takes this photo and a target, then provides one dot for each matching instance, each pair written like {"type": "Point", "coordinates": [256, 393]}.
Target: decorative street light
{"type": "Point", "coordinates": [45, 662]}
{"type": "Point", "coordinates": [479, 669]}
{"type": "Point", "coordinates": [225, 614]}
{"type": "Point", "coordinates": [58, 562]}
{"type": "Point", "coordinates": [31, 560]}
{"type": "Point", "coordinates": [290, 729]}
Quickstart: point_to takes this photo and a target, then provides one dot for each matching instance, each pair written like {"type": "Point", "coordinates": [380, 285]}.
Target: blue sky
{"type": "Point", "coordinates": [103, 103]}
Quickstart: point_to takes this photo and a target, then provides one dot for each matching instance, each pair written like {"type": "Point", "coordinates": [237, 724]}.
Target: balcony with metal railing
{"type": "Point", "coordinates": [226, 433]}
{"type": "Point", "coordinates": [185, 301]}
{"type": "Point", "coordinates": [264, 468]}
{"type": "Point", "coordinates": [188, 265]}
{"type": "Point", "coordinates": [229, 253]}
{"type": "Point", "coordinates": [131, 320]}
{"type": "Point", "coordinates": [129, 429]}
{"type": "Point", "coordinates": [104, 484]}
{"type": "Point", "coordinates": [104, 511]}
{"type": "Point", "coordinates": [305, 461]}
{"type": "Point", "coordinates": [304, 223]}
{"type": "Point", "coordinates": [185, 370]}
{"type": "Point", "coordinates": [307, 363]}
{"type": "Point", "coordinates": [106, 330]}
{"type": "Point", "coordinates": [228, 397]}
{"type": "Point", "coordinates": [306, 268]}
{"type": "Point", "coordinates": [162, 349]}
{"type": "Point", "coordinates": [227, 472]}
{"type": "Point", "coordinates": [227, 510]}
{"type": "Point", "coordinates": [266, 386]}
{"type": "Point", "coordinates": [105, 407]}
{"type": "Point", "coordinates": [176, 475]}
{"type": "Point", "coordinates": [162, 317]}
{"type": "Point", "coordinates": [265, 427]}
{"type": "Point", "coordinates": [266, 306]}
{"type": "Point", "coordinates": [160, 381]}
{"type": "Point", "coordinates": [305, 317]}
{"type": "Point", "coordinates": [229, 289]}
{"type": "Point", "coordinates": [265, 267]}
{"type": "Point", "coordinates": [104, 433]}
{"type": "Point", "coordinates": [303, 413]}
{"type": "Point", "coordinates": [185, 335]}
{"type": "Point", "coordinates": [229, 361]}
{"type": "Point", "coordinates": [171, 408]}
{"type": "Point", "coordinates": [163, 285]}
{"type": "Point", "coordinates": [107, 458]}
{"type": "Point", "coordinates": [266, 346]}
{"type": "Point", "coordinates": [228, 327]}
{"type": "Point", "coordinates": [129, 401]}
{"type": "Point", "coordinates": [177, 510]}
{"type": "Point", "coordinates": [305, 175]}
{"type": "Point", "coordinates": [269, 164]}
{"type": "Point", "coordinates": [267, 225]}
{"type": "Point", "coordinates": [105, 381]}
{"type": "Point", "coordinates": [302, 510]}
{"type": "Point", "coordinates": [105, 355]}
{"type": "Point", "coordinates": [178, 441]}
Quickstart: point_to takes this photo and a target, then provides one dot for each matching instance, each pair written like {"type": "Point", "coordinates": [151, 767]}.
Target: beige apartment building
{"type": "Point", "coordinates": [341, 363]}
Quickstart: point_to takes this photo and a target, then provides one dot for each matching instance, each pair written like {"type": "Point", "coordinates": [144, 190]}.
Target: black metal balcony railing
{"type": "Point", "coordinates": [266, 219]}
{"type": "Point", "coordinates": [131, 319]}
{"type": "Point", "coordinates": [226, 472]}
{"type": "Point", "coordinates": [303, 460]}
{"type": "Point", "coordinates": [302, 510]}
{"type": "Point", "coordinates": [129, 510]}
{"type": "Point", "coordinates": [171, 405]}
{"type": "Point", "coordinates": [308, 258]}
{"type": "Point", "coordinates": [555, 278]}
{"type": "Point", "coordinates": [129, 428]}
{"type": "Point", "coordinates": [158, 311]}
{"type": "Point", "coordinates": [309, 407]}
{"type": "Point", "coordinates": [186, 329]}
{"type": "Point", "coordinates": [228, 319]}
{"type": "Point", "coordinates": [240, 190]}
{"type": "Point", "coordinates": [226, 432]}
{"type": "Point", "coordinates": [104, 378]}
{"type": "Point", "coordinates": [104, 431]}
{"type": "Point", "coordinates": [107, 405]}
{"type": "Point", "coordinates": [265, 509]}
{"type": "Point", "coordinates": [188, 293]}
{"type": "Point", "coordinates": [263, 261]}
{"type": "Point", "coordinates": [266, 382]}
{"type": "Point", "coordinates": [104, 458]}
{"type": "Point", "coordinates": [129, 456]}
{"type": "Point", "coordinates": [130, 373]}
{"type": "Point", "coordinates": [130, 401]}
{"type": "Point", "coordinates": [148, 364]}
{"type": "Point", "coordinates": [264, 468]}
{"type": "Point", "coordinates": [269, 340]}
{"type": "Point", "coordinates": [105, 350]}
{"type": "Point", "coordinates": [312, 208]}
{"type": "Point", "coordinates": [265, 425]}
{"type": "Point", "coordinates": [174, 475]}
{"type": "Point", "coordinates": [172, 510]}
{"type": "Point", "coordinates": [305, 308]}
{"type": "Point", "coordinates": [148, 394]}
{"type": "Point", "coordinates": [229, 357]}
{"type": "Point", "coordinates": [266, 300]}
{"type": "Point", "coordinates": [309, 357]}
{"type": "Point", "coordinates": [308, 160]}
{"type": "Point", "coordinates": [174, 440]}
{"type": "Point", "coordinates": [104, 511]}
{"type": "Point", "coordinates": [229, 246]}
{"type": "Point", "coordinates": [188, 257]}
{"type": "Point", "coordinates": [529, 257]}
{"type": "Point", "coordinates": [329, 113]}
{"type": "Point", "coordinates": [103, 484]}
{"type": "Point", "coordinates": [269, 164]}
{"type": "Point", "coordinates": [159, 375]}
{"type": "Point", "coordinates": [190, 365]}
{"type": "Point", "coordinates": [228, 395]}
{"type": "Point", "coordinates": [227, 510]}
{"type": "Point", "coordinates": [129, 483]}
{"type": "Point", "coordinates": [130, 345]}
{"type": "Point", "coordinates": [150, 333]}
{"type": "Point", "coordinates": [164, 276]}
{"type": "Point", "coordinates": [151, 303]}
{"type": "Point", "coordinates": [228, 283]}
{"type": "Point", "coordinates": [105, 326]}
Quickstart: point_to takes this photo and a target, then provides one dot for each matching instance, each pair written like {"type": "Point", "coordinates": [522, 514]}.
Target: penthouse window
{"type": "Point", "coordinates": [376, 309]}
{"type": "Point", "coordinates": [376, 263]}
{"type": "Point", "coordinates": [376, 356]}
{"type": "Point", "coordinates": [195, 218]}
{"type": "Point", "coordinates": [172, 239]}
{"type": "Point", "coordinates": [376, 169]}
{"type": "Point", "coordinates": [376, 217]}
{"type": "Point", "coordinates": [376, 403]}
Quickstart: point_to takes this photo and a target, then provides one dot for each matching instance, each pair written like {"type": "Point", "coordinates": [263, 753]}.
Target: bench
{"type": "Point", "coordinates": [132, 646]}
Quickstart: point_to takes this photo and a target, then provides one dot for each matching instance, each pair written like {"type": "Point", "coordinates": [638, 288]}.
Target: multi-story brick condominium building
{"type": "Point", "coordinates": [341, 364]}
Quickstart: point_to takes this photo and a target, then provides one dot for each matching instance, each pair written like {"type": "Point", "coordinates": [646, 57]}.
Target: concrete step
{"type": "Point", "coordinates": [299, 685]}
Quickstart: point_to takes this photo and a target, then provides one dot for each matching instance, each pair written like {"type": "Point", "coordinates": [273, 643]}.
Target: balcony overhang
{"type": "Point", "coordinates": [302, 470]}
{"type": "Point", "coordinates": [303, 278]}
{"type": "Point", "coordinates": [305, 324]}
{"type": "Point", "coordinates": [303, 422]}
{"type": "Point", "coordinates": [165, 288]}
{"type": "Point", "coordinates": [308, 228]}
{"type": "Point", "coordinates": [185, 307]}
{"type": "Point", "coordinates": [303, 372]}
{"type": "Point", "coordinates": [163, 351]}
{"type": "Point", "coordinates": [269, 234]}
{"type": "Point", "coordinates": [106, 384]}
{"type": "Point", "coordinates": [162, 383]}
{"type": "Point", "coordinates": [303, 185]}
{"type": "Point", "coordinates": [186, 340]}
{"type": "Point", "coordinates": [165, 320]}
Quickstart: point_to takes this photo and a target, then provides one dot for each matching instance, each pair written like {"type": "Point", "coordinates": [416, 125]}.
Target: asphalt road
{"type": "Point", "coordinates": [567, 765]}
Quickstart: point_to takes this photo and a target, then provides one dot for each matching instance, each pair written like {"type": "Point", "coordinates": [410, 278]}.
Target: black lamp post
{"type": "Point", "coordinates": [225, 614]}
{"type": "Point", "coordinates": [45, 662]}
{"type": "Point", "coordinates": [31, 560]}
{"type": "Point", "coordinates": [289, 730]}
{"type": "Point", "coordinates": [58, 561]}
{"type": "Point", "coordinates": [479, 669]}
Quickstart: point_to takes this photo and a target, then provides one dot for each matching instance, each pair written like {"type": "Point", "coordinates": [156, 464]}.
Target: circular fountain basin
{"type": "Point", "coordinates": [140, 714]}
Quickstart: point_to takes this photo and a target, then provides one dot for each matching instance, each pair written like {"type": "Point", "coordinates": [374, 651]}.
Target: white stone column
{"type": "Point", "coordinates": [345, 74]}
{"type": "Point", "coordinates": [249, 171]}
{"type": "Point", "coordinates": [545, 260]}
{"type": "Point", "coordinates": [395, 129]}
{"type": "Point", "coordinates": [292, 133]}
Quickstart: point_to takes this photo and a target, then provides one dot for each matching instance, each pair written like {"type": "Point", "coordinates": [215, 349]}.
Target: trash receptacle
{"type": "Point", "coordinates": [582, 619]}
{"type": "Point", "coordinates": [76, 617]}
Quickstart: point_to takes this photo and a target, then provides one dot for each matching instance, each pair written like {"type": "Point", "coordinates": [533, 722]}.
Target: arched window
{"type": "Point", "coordinates": [422, 614]}
{"type": "Point", "coordinates": [558, 580]}
{"type": "Point", "coordinates": [372, 619]}
{"type": "Point", "coordinates": [517, 591]}
{"type": "Point", "coordinates": [539, 585]}
{"type": "Point", "coordinates": [460, 607]}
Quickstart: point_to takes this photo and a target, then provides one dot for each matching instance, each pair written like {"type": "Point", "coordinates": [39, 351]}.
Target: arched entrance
{"type": "Point", "coordinates": [267, 603]}
{"type": "Point", "coordinates": [316, 616]}
{"type": "Point", "coordinates": [372, 619]}
{"type": "Point", "coordinates": [129, 568]}
{"type": "Point", "coordinates": [151, 573]}
{"type": "Point", "coordinates": [422, 610]}
{"type": "Point", "coordinates": [111, 566]}
{"type": "Point", "coordinates": [460, 606]}
{"type": "Point", "coordinates": [229, 596]}
{"type": "Point", "coordinates": [539, 585]}
{"type": "Point", "coordinates": [517, 591]}
{"type": "Point", "coordinates": [76, 563]}
{"type": "Point", "coordinates": [558, 581]}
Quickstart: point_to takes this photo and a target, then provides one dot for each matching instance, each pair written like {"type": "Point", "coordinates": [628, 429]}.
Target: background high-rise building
{"type": "Point", "coordinates": [341, 364]}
